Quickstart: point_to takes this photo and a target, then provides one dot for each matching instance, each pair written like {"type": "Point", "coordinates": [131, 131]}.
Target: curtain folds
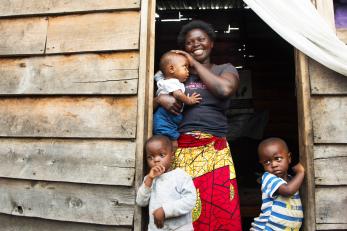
{"type": "Point", "coordinates": [298, 22]}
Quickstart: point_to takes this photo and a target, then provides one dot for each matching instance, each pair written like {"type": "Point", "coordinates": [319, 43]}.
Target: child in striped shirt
{"type": "Point", "coordinates": [281, 205]}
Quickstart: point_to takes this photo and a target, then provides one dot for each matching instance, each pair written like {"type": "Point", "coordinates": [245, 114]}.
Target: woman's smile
{"type": "Point", "coordinates": [198, 52]}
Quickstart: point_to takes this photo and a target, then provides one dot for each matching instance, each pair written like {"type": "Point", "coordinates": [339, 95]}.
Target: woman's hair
{"type": "Point", "coordinates": [196, 24]}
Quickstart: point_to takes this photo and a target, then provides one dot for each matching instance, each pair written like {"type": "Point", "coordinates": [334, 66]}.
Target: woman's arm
{"type": "Point", "coordinates": [168, 102]}
{"type": "Point", "coordinates": [222, 86]}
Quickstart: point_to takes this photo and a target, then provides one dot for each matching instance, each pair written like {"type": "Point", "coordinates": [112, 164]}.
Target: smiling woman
{"type": "Point", "coordinates": [203, 151]}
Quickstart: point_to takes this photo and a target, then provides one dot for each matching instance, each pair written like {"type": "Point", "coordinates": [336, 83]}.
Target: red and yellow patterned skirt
{"type": "Point", "coordinates": [208, 160]}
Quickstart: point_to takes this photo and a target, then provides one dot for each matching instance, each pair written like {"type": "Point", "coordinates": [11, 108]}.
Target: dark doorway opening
{"type": "Point", "coordinates": [265, 105]}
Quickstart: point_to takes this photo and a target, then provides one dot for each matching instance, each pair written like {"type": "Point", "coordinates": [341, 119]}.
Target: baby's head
{"type": "Point", "coordinates": [274, 156]}
{"type": "Point", "coordinates": [159, 151]}
{"type": "Point", "coordinates": [174, 65]}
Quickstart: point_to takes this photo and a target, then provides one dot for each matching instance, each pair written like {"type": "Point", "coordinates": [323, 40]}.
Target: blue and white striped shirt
{"type": "Point", "coordinates": [277, 212]}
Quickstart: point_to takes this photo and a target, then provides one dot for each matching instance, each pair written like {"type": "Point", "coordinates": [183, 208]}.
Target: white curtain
{"type": "Point", "coordinates": [299, 23]}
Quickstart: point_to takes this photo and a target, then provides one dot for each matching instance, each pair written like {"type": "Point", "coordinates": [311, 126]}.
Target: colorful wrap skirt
{"type": "Point", "coordinates": [208, 160]}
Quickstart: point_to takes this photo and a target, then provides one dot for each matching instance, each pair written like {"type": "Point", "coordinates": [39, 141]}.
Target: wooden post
{"type": "Point", "coordinates": [305, 138]}
{"type": "Point", "coordinates": [145, 89]}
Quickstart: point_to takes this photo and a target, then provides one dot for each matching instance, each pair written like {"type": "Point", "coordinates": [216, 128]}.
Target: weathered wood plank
{"type": "Point", "coordinates": [342, 34]}
{"type": "Point", "coordinates": [327, 151]}
{"type": "Point", "coordinates": [145, 107]}
{"type": "Point", "coordinates": [22, 36]}
{"type": "Point", "coordinates": [326, 81]}
{"type": "Point", "coordinates": [107, 205]}
{"type": "Point", "coordinates": [330, 227]}
{"type": "Point", "coordinates": [331, 205]}
{"type": "Point", "coordinates": [331, 171]}
{"type": "Point", "coordinates": [106, 117]}
{"type": "Point", "coordinates": [93, 32]}
{"type": "Point", "coordinates": [115, 73]}
{"type": "Point", "coordinates": [81, 161]}
{"type": "Point", "coordinates": [16, 223]}
{"type": "Point", "coordinates": [302, 80]}
{"type": "Point", "coordinates": [329, 119]}
{"type": "Point", "coordinates": [35, 7]}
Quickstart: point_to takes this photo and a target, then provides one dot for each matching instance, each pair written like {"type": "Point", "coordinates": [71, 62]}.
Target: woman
{"type": "Point", "coordinates": [203, 151]}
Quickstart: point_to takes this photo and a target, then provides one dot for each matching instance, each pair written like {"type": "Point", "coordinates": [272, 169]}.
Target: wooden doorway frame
{"type": "Point", "coordinates": [145, 93]}
{"type": "Point", "coordinates": [302, 78]}
{"type": "Point", "coordinates": [305, 131]}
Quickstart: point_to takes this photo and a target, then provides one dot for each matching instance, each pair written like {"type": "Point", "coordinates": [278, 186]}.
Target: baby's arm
{"type": "Point", "coordinates": [143, 195]}
{"type": "Point", "coordinates": [144, 192]}
{"type": "Point", "coordinates": [294, 184]}
{"type": "Point", "coordinates": [189, 100]}
{"type": "Point", "coordinates": [153, 173]}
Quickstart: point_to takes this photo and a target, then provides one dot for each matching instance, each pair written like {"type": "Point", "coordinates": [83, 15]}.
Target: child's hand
{"type": "Point", "coordinates": [299, 168]}
{"type": "Point", "coordinates": [159, 216]}
{"type": "Point", "coordinates": [156, 171]}
{"type": "Point", "coordinates": [195, 98]}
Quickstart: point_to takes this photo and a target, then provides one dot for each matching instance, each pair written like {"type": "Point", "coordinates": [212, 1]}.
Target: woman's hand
{"type": "Point", "coordinates": [169, 103]}
{"type": "Point", "coordinates": [222, 86]}
{"type": "Point", "coordinates": [190, 59]}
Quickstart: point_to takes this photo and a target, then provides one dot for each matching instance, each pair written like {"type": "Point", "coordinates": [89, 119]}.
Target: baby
{"type": "Point", "coordinates": [281, 208]}
{"type": "Point", "coordinates": [170, 193]}
{"type": "Point", "coordinates": [174, 68]}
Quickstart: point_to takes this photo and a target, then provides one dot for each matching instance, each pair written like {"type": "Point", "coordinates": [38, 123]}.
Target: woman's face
{"type": "Point", "coordinates": [199, 45]}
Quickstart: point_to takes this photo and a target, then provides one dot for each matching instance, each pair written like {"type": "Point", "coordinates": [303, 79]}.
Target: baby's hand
{"type": "Point", "coordinates": [159, 216]}
{"type": "Point", "coordinates": [299, 168]}
{"type": "Point", "coordinates": [156, 171]}
{"type": "Point", "coordinates": [195, 98]}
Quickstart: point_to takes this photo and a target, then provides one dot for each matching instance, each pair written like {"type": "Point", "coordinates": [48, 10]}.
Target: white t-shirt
{"type": "Point", "coordinates": [167, 86]}
{"type": "Point", "coordinates": [175, 192]}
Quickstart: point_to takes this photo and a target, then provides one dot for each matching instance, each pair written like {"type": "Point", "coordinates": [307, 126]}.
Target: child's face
{"type": "Point", "coordinates": [275, 159]}
{"type": "Point", "coordinates": [158, 153]}
{"type": "Point", "coordinates": [180, 68]}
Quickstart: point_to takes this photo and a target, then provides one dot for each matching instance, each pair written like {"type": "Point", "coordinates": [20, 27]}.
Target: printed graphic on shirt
{"type": "Point", "coordinates": [196, 85]}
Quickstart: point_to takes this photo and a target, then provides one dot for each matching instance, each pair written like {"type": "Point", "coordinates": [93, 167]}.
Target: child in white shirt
{"type": "Point", "coordinates": [170, 193]}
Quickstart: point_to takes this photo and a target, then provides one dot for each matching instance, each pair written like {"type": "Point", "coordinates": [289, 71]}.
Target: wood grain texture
{"type": "Point", "coordinates": [331, 205]}
{"type": "Point", "coordinates": [305, 130]}
{"type": "Point", "coordinates": [325, 81]}
{"type": "Point", "coordinates": [45, 7]}
{"type": "Point", "coordinates": [95, 74]}
{"type": "Point", "coordinates": [338, 227]}
{"type": "Point", "coordinates": [93, 117]}
{"type": "Point", "coordinates": [330, 171]}
{"type": "Point", "coordinates": [105, 162]}
{"type": "Point", "coordinates": [327, 151]}
{"type": "Point", "coordinates": [329, 119]}
{"type": "Point", "coordinates": [93, 32]}
{"type": "Point", "coordinates": [23, 36]}
{"type": "Point", "coordinates": [106, 205]}
{"type": "Point", "coordinates": [19, 223]}
{"type": "Point", "coordinates": [145, 92]}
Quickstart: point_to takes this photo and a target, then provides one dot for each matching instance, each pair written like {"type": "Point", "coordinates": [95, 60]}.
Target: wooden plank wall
{"type": "Point", "coordinates": [69, 111]}
{"type": "Point", "coordinates": [329, 117]}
